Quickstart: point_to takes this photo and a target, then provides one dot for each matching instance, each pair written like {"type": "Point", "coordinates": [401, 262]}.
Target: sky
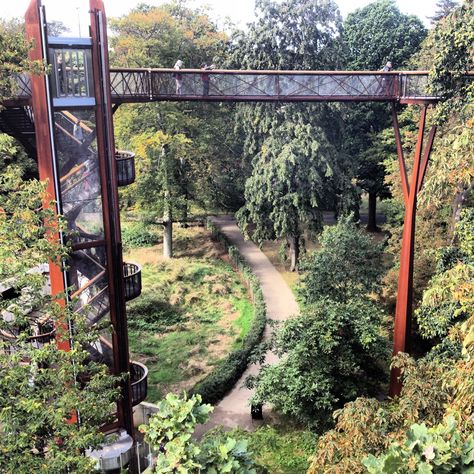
{"type": "Point", "coordinates": [74, 12]}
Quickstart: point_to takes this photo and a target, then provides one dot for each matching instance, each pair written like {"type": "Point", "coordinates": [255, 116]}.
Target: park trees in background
{"type": "Point", "coordinates": [293, 148]}
{"type": "Point", "coordinates": [213, 172]}
{"type": "Point", "coordinates": [373, 35]}
{"type": "Point", "coordinates": [161, 188]}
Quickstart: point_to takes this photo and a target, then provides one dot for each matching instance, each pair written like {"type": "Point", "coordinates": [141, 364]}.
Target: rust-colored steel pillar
{"type": "Point", "coordinates": [106, 147]}
{"type": "Point", "coordinates": [40, 100]}
{"type": "Point", "coordinates": [404, 308]}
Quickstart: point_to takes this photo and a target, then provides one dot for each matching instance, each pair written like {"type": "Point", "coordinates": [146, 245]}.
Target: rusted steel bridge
{"type": "Point", "coordinates": [149, 85]}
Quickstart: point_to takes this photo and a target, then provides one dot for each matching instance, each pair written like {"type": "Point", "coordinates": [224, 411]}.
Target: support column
{"type": "Point", "coordinates": [404, 308]}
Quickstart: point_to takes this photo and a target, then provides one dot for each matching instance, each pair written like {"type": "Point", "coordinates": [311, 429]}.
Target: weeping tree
{"type": "Point", "coordinates": [287, 188]}
{"type": "Point", "coordinates": [293, 149]}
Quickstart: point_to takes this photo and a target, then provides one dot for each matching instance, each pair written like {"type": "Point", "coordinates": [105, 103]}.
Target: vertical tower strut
{"type": "Point", "coordinates": [404, 309]}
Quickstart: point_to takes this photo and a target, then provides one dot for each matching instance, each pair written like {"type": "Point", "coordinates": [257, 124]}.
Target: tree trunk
{"type": "Point", "coordinates": [294, 246]}
{"type": "Point", "coordinates": [167, 227]}
{"type": "Point", "coordinates": [372, 217]}
{"type": "Point", "coordinates": [167, 238]}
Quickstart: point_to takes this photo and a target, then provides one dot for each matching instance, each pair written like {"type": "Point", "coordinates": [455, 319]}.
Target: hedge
{"type": "Point", "coordinates": [223, 378]}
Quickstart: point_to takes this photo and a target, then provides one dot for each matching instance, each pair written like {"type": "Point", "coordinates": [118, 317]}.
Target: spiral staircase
{"type": "Point", "coordinates": [80, 192]}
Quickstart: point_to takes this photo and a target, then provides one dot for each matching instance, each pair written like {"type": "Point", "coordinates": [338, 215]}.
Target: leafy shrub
{"type": "Point", "coordinates": [438, 450]}
{"type": "Point", "coordinates": [170, 431]}
{"type": "Point", "coordinates": [347, 265]}
{"type": "Point", "coordinates": [137, 234]}
{"type": "Point", "coordinates": [223, 378]}
{"type": "Point", "coordinates": [328, 355]}
{"type": "Point", "coordinates": [279, 449]}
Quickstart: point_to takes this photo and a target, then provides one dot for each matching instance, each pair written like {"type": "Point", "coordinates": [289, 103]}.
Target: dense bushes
{"type": "Point", "coordinates": [334, 351]}
{"type": "Point", "coordinates": [224, 377]}
{"type": "Point", "coordinates": [170, 431]}
{"type": "Point", "coordinates": [137, 234]}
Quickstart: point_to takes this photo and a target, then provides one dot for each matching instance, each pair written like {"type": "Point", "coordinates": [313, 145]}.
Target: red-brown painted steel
{"type": "Point", "coordinates": [106, 148]}
{"type": "Point", "coordinates": [404, 308]}
{"type": "Point", "coordinates": [45, 152]}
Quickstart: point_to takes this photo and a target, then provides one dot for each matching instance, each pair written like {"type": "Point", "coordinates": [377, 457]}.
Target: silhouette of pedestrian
{"type": "Point", "coordinates": [387, 80]}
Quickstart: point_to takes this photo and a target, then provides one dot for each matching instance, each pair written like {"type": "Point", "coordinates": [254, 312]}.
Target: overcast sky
{"type": "Point", "coordinates": [74, 12]}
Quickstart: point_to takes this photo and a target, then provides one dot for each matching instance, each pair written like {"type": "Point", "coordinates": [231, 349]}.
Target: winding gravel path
{"type": "Point", "coordinates": [233, 410]}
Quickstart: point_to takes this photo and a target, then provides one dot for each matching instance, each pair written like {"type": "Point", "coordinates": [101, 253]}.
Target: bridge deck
{"type": "Point", "coordinates": [134, 85]}
{"type": "Point", "coordinates": [147, 85]}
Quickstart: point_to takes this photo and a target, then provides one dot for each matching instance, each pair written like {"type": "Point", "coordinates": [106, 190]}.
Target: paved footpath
{"type": "Point", "coordinates": [233, 410]}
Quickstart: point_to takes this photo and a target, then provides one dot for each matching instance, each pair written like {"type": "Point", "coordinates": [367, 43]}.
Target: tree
{"type": "Point", "coordinates": [156, 37]}
{"type": "Point", "coordinates": [159, 189]}
{"type": "Point", "coordinates": [366, 39]}
{"type": "Point", "coordinates": [444, 8]}
{"type": "Point", "coordinates": [292, 148]}
{"type": "Point", "coordinates": [328, 356]}
{"type": "Point", "coordinates": [368, 46]}
{"type": "Point", "coordinates": [14, 57]}
{"type": "Point", "coordinates": [44, 390]}
{"type": "Point", "coordinates": [348, 265]}
{"type": "Point", "coordinates": [170, 432]}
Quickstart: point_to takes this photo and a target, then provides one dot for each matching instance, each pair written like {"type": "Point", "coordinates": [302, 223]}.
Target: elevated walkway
{"type": "Point", "coordinates": [152, 85]}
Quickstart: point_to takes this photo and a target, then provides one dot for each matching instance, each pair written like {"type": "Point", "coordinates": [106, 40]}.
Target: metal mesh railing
{"type": "Point", "coordinates": [138, 382]}
{"type": "Point", "coordinates": [167, 84]}
{"type": "Point", "coordinates": [125, 162]}
{"type": "Point", "coordinates": [132, 279]}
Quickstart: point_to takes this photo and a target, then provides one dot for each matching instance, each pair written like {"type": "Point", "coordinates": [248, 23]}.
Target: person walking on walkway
{"type": "Point", "coordinates": [205, 78]}
{"type": "Point", "coordinates": [387, 81]}
{"type": "Point", "coordinates": [178, 77]}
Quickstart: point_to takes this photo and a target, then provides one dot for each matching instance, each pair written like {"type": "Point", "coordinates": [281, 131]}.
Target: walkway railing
{"type": "Point", "coordinates": [132, 279]}
{"type": "Point", "coordinates": [135, 85]}
{"type": "Point", "coordinates": [145, 85]}
{"type": "Point", "coordinates": [138, 381]}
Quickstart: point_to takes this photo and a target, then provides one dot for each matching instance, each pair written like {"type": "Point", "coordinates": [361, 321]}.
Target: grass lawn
{"type": "Point", "coordinates": [192, 312]}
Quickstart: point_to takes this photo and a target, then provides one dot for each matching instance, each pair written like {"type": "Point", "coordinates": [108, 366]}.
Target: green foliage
{"type": "Point", "coordinates": [186, 323]}
{"type": "Point", "coordinates": [138, 234]}
{"type": "Point", "coordinates": [12, 153]}
{"type": "Point", "coordinates": [293, 148]}
{"type": "Point", "coordinates": [440, 449]}
{"type": "Point", "coordinates": [170, 431]}
{"type": "Point", "coordinates": [224, 377]}
{"type": "Point", "coordinates": [454, 57]}
{"type": "Point", "coordinates": [14, 58]}
{"type": "Point", "coordinates": [369, 46]}
{"type": "Point", "coordinates": [279, 449]}
{"type": "Point", "coordinates": [446, 301]}
{"type": "Point", "coordinates": [347, 265]}
{"type": "Point", "coordinates": [328, 355]}
{"type": "Point", "coordinates": [368, 426]}
{"type": "Point", "coordinates": [43, 387]}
